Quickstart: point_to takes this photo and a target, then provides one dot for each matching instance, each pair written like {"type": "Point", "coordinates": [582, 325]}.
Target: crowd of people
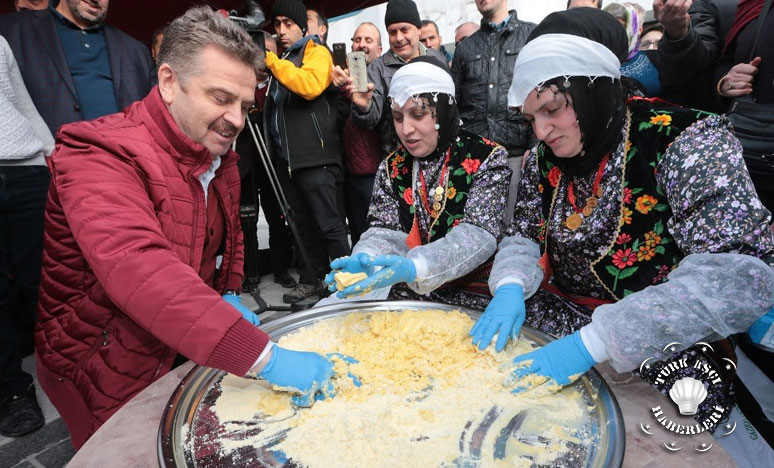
{"type": "Point", "coordinates": [572, 176]}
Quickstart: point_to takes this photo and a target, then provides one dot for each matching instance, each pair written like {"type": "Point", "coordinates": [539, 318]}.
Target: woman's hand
{"type": "Point", "coordinates": [504, 315]}
{"type": "Point", "coordinates": [559, 362]}
{"type": "Point", "coordinates": [361, 100]}
{"type": "Point", "coordinates": [395, 269]}
{"type": "Point", "coordinates": [739, 80]}
{"type": "Point", "coordinates": [358, 263]}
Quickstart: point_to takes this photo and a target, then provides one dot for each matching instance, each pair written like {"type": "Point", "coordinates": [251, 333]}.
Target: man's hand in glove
{"type": "Point", "coordinates": [358, 263]}
{"type": "Point", "coordinates": [504, 315]}
{"type": "Point", "coordinates": [236, 302]}
{"type": "Point", "coordinates": [396, 269]}
{"type": "Point", "coordinates": [561, 362]}
{"type": "Point", "coordinates": [301, 372]}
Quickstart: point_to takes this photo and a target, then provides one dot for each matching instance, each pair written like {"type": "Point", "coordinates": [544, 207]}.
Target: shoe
{"type": "Point", "coordinates": [285, 280]}
{"type": "Point", "coordinates": [301, 292]}
{"type": "Point", "coordinates": [20, 413]}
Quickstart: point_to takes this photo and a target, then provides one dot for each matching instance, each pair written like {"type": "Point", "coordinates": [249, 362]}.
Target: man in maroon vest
{"type": "Point", "coordinates": [142, 203]}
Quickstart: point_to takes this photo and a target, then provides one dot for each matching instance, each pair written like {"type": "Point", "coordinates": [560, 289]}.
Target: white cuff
{"type": "Point", "coordinates": [594, 344]}
{"type": "Point", "coordinates": [509, 280]}
{"type": "Point", "coordinates": [420, 266]}
{"type": "Point", "coordinates": [269, 345]}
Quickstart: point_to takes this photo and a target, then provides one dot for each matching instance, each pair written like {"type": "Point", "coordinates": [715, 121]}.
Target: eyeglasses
{"type": "Point", "coordinates": [646, 45]}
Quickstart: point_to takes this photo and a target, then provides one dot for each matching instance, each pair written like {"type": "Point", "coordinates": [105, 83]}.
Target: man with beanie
{"type": "Point", "coordinates": [370, 109]}
{"type": "Point", "coordinates": [300, 126]}
{"type": "Point", "coordinates": [482, 69]}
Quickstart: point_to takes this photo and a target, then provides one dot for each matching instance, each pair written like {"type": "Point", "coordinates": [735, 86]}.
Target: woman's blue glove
{"type": "Point", "coordinates": [236, 302]}
{"type": "Point", "coordinates": [396, 269]}
{"type": "Point", "coordinates": [358, 263]}
{"type": "Point", "coordinates": [561, 361]}
{"type": "Point", "coordinates": [504, 315]}
{"type": "Point", "coordinates": [301, 372]}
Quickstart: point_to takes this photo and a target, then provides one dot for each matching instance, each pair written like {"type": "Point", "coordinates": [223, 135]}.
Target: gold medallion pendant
{"type": "Point", "coordinates": [592, 202]}
{"type": "Point", "coordinates": [573, 221]}
{"type": "Point", "coordinates": [587, 210]}
{"type": "Point", "coordinates": [436, 207]}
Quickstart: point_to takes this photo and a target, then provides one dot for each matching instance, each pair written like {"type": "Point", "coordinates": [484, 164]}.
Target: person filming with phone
{"type": "Point", "coordinates": [303, 141]}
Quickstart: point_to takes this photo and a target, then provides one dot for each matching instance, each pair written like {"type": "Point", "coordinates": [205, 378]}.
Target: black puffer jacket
{"type": "Point", "coordinates": [483, 70]}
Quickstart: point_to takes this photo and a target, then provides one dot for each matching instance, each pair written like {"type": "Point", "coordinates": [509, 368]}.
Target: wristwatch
{"type": "Point", "coordinates": [232, 292]}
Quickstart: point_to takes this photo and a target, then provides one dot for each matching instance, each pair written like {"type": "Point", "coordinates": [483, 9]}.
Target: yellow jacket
{"type": "Point", "coordinates": [311, 79]}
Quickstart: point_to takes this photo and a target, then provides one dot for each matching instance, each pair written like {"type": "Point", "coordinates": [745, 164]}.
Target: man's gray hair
{"type": "Point", "coordinates": [187, 36]}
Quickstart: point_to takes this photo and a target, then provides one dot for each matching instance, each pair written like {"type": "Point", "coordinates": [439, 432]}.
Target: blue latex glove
{"type": "Point", "coordinates": [358, 263]}
{"type": "Point", "coordinates": [236, 302]}
{"type": "Point", "coordinates": [396, 269]}
{"type": "Point", "coordinates": [303, 372]}
{"type": "Point", "coordinates": [561, 361]}
{"type": "Point", "coordinates": [504, 315]}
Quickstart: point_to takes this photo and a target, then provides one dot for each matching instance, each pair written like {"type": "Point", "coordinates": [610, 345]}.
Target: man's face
{"type": "Point", "coordinates": [463, 32]}
{"type": "Point", "coordinates": [583, 3]}
{"type": "Point", "coordinates": [288, 32]}
{"type": "Point", "coordinates": [366, 39]}
{"type": "Point", "coordinates": [404, 40]}
{"type": "Point", "coordinates": [313, 25]}
{"type": "Point", "coordinates": [210, 105]}
{"type": "Point", "coordinates": [30, 4]}
{"type": "Point", "coordinates": [84, 13]}
{"type": "Point", "coordinates": [428, 36]}
{"type": "Point", "coordinates": [489, 7]}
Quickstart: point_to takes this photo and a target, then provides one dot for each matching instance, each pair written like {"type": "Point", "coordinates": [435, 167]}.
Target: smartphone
{"type": "Point", "coordinates": [356, 62]}
{"type": "Point", "coordinates": [340, 55]}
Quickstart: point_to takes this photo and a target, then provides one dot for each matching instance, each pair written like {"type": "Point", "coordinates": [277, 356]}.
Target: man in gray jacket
{"type": "Point", "coordinates": [483, 70]}
{"type": "Point", "coordinates": [370, 110]}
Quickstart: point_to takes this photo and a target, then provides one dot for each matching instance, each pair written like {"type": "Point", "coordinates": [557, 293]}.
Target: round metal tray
{"type": "Point", "coordinates": [188, 406]}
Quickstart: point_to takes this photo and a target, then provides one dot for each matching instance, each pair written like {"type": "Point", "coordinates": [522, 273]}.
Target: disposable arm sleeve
{"type": "Point", "coordinates": [517, 261]}
{"type": "Point", "coordinates": [381, 241]}
{"type": "Point", "coordinates": [311, 79]}
{"type": "Point", "coordinates": [722, 293]}
{"type": "Point", "coordinates": [456, 254]}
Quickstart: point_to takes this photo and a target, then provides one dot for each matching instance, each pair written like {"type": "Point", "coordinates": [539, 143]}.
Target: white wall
{"type": "Point", "coordinates": [448, 14]}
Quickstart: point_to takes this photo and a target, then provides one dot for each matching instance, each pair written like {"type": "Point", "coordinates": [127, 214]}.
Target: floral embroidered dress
{"type": "Point", "coordinates": [676, 247]}
{"type": "Point", "coordinates": [444, 214]}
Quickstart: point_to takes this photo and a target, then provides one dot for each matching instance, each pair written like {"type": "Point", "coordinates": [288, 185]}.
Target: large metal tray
{"type": "Point", "coordinates": [188, 405]}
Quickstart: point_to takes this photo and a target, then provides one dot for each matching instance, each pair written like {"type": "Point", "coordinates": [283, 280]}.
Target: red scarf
{"type": "Point", "coordinates": [746, 11]}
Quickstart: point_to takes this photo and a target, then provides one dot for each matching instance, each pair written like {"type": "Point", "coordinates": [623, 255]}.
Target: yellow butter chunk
{"type": "Point", "coordinates": [345, 278]}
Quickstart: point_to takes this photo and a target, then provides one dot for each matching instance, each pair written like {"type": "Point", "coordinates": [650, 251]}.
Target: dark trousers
{"type": "Point", "coordinates": [311, 194]}
{"type": "Point", "coordinates": [23, 191]}
{"type": "Point", "coordinates": [359, 190]}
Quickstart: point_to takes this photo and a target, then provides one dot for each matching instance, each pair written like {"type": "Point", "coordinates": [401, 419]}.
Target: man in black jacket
{"type": "Point", "coordinates": [483, 70]}
{"type": "Point", "coordinates": [300, 123]}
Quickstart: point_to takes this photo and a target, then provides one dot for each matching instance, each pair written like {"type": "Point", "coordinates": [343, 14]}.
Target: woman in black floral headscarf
{"type": "Point", "coordinates": [637, 224]}
{"type": "Point", "coordinates": [437, 201]}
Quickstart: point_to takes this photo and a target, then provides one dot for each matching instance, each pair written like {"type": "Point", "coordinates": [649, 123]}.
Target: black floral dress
{"type": "Point", "coordinates": [676, 247]}
{"type": "Point", "coordinates": [444, 213]}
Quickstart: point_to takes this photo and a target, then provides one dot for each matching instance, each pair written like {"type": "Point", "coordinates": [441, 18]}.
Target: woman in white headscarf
{"type": "Point", "coordinates": [437, 200]}
{"type": "Point", "coordinates": [637, 224]}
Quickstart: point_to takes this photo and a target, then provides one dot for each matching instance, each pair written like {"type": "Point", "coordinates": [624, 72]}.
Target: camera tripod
{"type": "Point", "coordinates": [249, 216]}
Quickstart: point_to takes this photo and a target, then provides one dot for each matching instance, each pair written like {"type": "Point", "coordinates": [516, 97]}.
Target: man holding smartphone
{"type": "Point", "coordinates": [303, 141]}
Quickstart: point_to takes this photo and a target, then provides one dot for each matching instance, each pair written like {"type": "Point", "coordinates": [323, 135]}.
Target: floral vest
{"type": "Point", "coordinates": [466, 155]}
{"type": "Point", "coordinates": [642, 252]}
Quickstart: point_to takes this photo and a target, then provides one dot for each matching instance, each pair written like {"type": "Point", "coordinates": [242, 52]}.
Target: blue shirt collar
{"type": "Point", "coordinates": [499, 26]}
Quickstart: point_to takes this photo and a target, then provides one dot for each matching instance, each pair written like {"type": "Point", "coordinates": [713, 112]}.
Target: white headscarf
{"type": "Point", "coordinates": [417, 78]}
{"type": "Point", "coordinates": [553, 55]}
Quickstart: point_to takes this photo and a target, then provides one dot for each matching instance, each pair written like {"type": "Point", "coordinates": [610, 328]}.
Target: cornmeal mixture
{"type": "Point", "coordinates": [428, 399]}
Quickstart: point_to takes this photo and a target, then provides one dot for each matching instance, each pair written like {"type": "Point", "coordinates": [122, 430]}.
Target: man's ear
{"type": "Point", "coordinates": [167, 83]}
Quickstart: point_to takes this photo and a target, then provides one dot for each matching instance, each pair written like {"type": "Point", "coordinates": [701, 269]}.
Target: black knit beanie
{"type": "Point", "coordinates": [402, 11]}
{"type": "Point", "coordinates": [292, 9]}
